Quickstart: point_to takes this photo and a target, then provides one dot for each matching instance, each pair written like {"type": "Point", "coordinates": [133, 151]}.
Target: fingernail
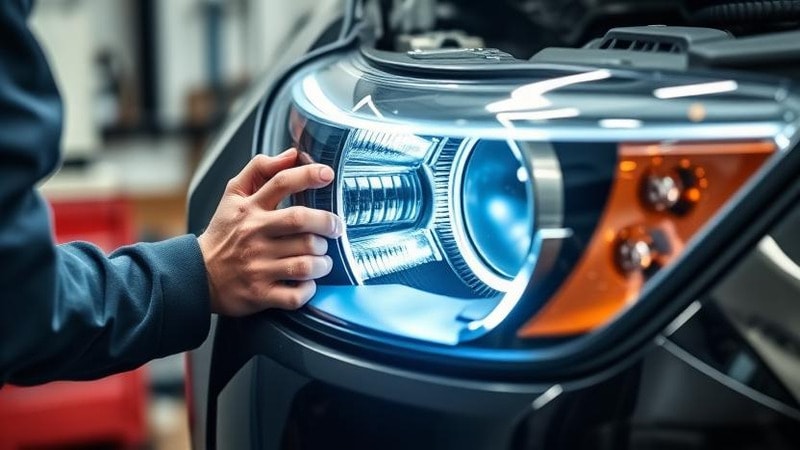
{"type": "Point", "coordinates": [330, 262]}
{"type": "Point", "coordinates": [326, 173]}
{"type": "Point", "coordinates": [286, 153]}
{"type": "Point", "coordinates": [337, 225]}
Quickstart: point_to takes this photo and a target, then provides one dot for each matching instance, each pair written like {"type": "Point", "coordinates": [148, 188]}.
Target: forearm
{"type": "Point", "coordinates": [83, 315]}
{"type": "Point", "coordinates": [142, 302]}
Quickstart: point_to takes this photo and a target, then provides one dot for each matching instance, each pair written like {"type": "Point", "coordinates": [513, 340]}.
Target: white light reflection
{"type": "Point", "coordinates": [773, 251]}
{"type": "Point", "coordinates": [522, 175]}
{"type": "Point", "coordinates": [782, 139]}
{"type": "Point", "coordinates": [520, 232]}
{"type": "Point", "coordinates": [692, 90]}
{"type": "Point", "coordinates": [620, 123]}
{"type": "Point", "coordinates": [367, 101]}
{"type": "Point", "coordinates": [531, 96]}
{"type": "Point", "coordinates": [519, 284]}
{"type": "Point", "coordinates": [499, 210]}
{"type": "Point", "coordinates": [506, 118]}
{"type": "Point", "coordinates": [311, 98]}
{"type": "Point", "coordinates": [328, 109]}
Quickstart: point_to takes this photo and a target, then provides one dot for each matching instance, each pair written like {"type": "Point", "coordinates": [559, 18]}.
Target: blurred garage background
{"type": "Point", "coordinates": [145, 84]}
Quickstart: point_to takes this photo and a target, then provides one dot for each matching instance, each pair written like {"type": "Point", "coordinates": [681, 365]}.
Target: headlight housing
{"type": "Point", "coordinates": [545, 197]}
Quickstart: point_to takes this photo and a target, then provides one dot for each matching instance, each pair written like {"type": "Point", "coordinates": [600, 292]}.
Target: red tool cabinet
{"type": "Point", "coordinates": [67, 414]}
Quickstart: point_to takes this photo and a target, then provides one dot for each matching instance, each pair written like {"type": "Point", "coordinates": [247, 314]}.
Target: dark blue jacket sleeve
{"type": "Point", "coordinates": [71, 312]}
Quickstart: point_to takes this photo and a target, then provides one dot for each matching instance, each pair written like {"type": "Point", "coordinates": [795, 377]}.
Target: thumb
{"type": "Point", "coordinates": [258, 171]}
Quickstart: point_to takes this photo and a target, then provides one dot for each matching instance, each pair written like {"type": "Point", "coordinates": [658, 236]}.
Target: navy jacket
{"type": "Point", "coordinates": [69, 311]}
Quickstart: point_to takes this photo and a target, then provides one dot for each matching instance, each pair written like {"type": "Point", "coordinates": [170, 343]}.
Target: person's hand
{"type": "Point", "coordinates": [260, 257]}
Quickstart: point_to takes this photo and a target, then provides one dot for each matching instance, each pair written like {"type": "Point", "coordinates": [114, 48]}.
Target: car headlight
{"type": "Point", "coordinates": [550, 195]}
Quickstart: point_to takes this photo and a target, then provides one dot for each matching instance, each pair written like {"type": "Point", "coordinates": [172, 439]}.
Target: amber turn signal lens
{"type": "Point", "coordinates": [661, 196]}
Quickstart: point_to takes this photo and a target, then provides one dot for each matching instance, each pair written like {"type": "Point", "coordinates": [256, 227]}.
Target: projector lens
{"type": "Point", "coordinates": [493, 218]}
{"type": "Point", "coordinates": [497, 207]}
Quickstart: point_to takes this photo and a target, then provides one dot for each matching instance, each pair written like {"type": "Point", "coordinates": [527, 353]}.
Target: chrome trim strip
{"type": "Point", "coordinates": [775, 254]}
{"type": "Point", "coordinates": [547, 397]}
{"type": "Point", "coordinates": [682, 318]}
{"type": "Point", "coordinates": [754, 395]}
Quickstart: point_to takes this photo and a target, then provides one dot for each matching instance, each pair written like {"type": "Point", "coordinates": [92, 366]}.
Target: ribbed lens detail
{"type": "Point", "coordinates": [382, 199]}
{"type": "Point", "coordinates": [375, 148]}
{"type": "Point", "coordinates": [390, 253]}
{"type": "Point", "coordinates": [385, 199]}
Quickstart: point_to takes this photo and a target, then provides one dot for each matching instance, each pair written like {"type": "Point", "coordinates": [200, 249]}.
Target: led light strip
{"type": "Point", "coordinates": [382, 200]}
{"type": "Point", "coordinates": [391, 199]}
{"type": "Point", "coordinates": [393, 252]}
{"type": "Point", "coordinates": [377, 148]}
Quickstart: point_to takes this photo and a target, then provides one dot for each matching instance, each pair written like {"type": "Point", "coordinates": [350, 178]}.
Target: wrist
{"type": "Point", "coordinates": [206, 249]}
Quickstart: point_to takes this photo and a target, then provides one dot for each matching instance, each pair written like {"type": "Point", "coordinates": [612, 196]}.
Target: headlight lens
{"type": "Point", "coordinates": [551, 198]}
{"type": "Point", "coordinates": [493, 211]}
{"type": "Point", "coordinates": [383, 195]}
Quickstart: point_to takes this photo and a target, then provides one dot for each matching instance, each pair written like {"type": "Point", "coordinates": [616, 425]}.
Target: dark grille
{"type": "Point", "coordinates": [641, 45]}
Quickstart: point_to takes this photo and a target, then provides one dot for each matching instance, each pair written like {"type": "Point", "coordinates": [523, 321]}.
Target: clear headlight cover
{"type": "Point", "coordinates": [546, 197]}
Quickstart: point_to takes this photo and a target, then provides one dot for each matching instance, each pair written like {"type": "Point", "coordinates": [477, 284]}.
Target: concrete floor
{"type": "Point", "coordinates": [169, 426]}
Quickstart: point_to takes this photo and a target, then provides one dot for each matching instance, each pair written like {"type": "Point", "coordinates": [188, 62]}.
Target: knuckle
{"type": "Point", "coordinates": [295, 217]}
{"type": "Point", "coordinates": [295, 299]}
{"type": "Point", "coordinates": [255, 295]}
{"type": "Point", "coordinates": [254, 225]}
{"type": "Point", "coordinates": [310, 243]}
{"type": "Point", "coordinates": [311, 173]}
{"type": "Point", "coordinates": [281, 181]}
{"type": "Point", "coordinates": [261, 159]}
{"type": "Point", "coordinates": [300, 297]}
{"type": "Point", "coordinates": [248, 231]}
{"type": "Point", "coordinates": [290, 270]}
{"type": "Point", "coordinates": [303, 268]}
{"type": "Point", "coordinates": [249, 268]}
{"type": "Point", "coordinates": [248, 246]}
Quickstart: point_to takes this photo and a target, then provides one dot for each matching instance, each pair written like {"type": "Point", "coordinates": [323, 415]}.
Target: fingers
{"type": "Point", "coordinates": [289, 297]}
{"type": "Point", "coordinates": [260, 169]}
{"type": "Point", "coordinates": [293, 282]}
{"type": "Point", "coordinates": [291, 181]}
{"type": "Point", "coordinates": [299, 244]}
{"type": "Point", "coordinates": [299, 268]}
{"type": "Point", "coordinates": [300, 220]}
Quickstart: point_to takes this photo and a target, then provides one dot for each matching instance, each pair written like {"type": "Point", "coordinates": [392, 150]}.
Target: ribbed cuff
{"type": "Point", "coordinates": [187, 302]}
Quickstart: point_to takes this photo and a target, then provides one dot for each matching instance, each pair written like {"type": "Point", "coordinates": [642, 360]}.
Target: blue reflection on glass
{"type": "Point", "coordinates": [497, 209]}
{"type": "Point", "coordinates": [401, 310]}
